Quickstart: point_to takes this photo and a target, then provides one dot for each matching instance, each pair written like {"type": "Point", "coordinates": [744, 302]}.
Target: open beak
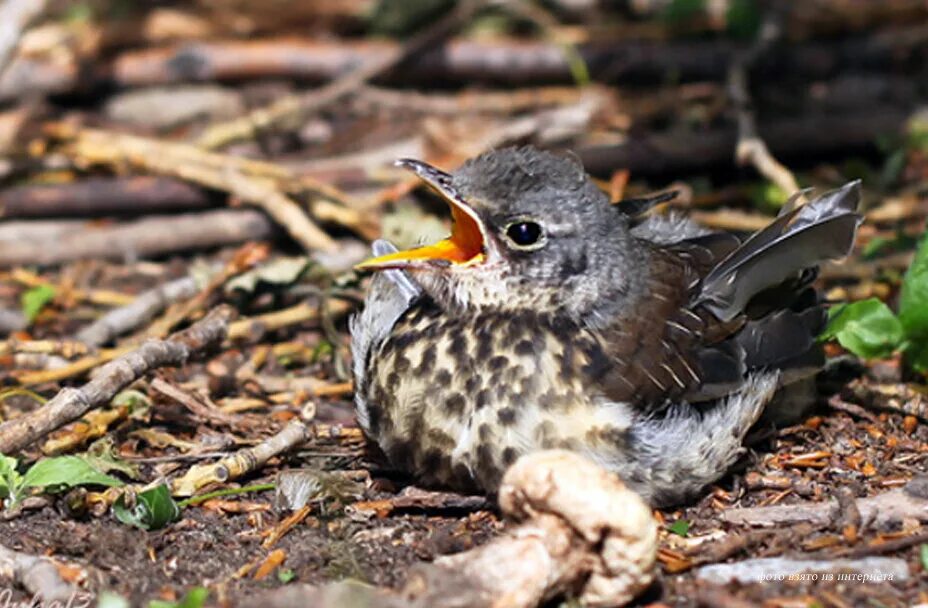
{"type": "Point", "coordinates": [465, 246]}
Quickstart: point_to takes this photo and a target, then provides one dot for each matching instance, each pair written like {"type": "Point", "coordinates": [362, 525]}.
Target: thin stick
{"type": "Point", "coordinates": [72, 403]}
{"type": "Point", "coordinates": [751, 148]}
{"type": "Point", "coordinates": [293, 108]}
{"type": "Point", "coordinates": [143, 309]}
{"type": "Point", "coordinates": [256, 183]}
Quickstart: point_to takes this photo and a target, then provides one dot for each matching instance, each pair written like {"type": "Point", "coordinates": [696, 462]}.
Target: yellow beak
{"type": "Point", "coordinates": [465, 245]}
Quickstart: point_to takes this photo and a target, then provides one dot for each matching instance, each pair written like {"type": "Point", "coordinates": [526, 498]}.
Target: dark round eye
{"type": "Point", "coordinates": [524, 234]}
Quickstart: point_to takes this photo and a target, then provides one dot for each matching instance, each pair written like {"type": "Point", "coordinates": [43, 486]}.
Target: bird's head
{"type": "Point", "coordinates": [528, 227]}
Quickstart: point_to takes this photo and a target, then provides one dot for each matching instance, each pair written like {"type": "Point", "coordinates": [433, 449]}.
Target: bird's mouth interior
{"type": "Point", "coordinates": [465, 246]}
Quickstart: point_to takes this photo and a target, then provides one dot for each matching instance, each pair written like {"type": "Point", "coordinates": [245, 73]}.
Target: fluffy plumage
{"type": "Point", "coordinates": [650, 345]}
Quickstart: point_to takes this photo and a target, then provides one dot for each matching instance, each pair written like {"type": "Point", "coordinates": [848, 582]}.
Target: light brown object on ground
{"type": "Point", "coordinates": [579, 533]}
{"type": "Point", "coordinates": [580, 530]}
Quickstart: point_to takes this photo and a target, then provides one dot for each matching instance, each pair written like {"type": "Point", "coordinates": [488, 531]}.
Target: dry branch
{"type": "Point", "coordinates": [751, 147]}
{"type": "Point", "coordinates": [141, 310]}
{"type": "Point", "coordinates": [242, 462]}
{"type": "Point", "coordinates": [72, 403]}
{"type": "Point", "coordinates": [146, 237]}
{"type": "Point", "coordinates": [910, 502]}
{"type": "Point", "coordinates": [261, 184]}
{"type": "Point", "coordinates": [509, 62]}
{"type": "Point", "coordinates": [292, 110]}
{"type": "Point", "coordinates": [802, 137]}
{"type": "Point", "coordinates": [98, 196]}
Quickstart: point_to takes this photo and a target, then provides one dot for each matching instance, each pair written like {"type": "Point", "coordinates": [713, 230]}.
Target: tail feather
{"type": "Point", "coordinates": [821, 230]}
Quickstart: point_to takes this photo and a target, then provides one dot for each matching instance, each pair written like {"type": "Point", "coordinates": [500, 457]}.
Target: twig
{"type": "Point", "coordinates": [751, 148]}
{"type": "Point", "coordinates": [300, 313]}
{"type": "Point", "coordinates": [256, 183]}
{"type": "Point", "coordinates": [15, 16]}
{"type": "Point", "coordinates": [72, 403]}
{"type": "Point", "coordinates": [245, 258]}
{"type": "Point", "coordinates": [295, 109]}
{"type": "Point", "coordinates": [242, 462]}
{"type": "Point", "coordinates": [805, 136]}
{"type": "Point", "coordinates": [38, 575]}
{"type": "Point", "coordinates": [146, 237]}
{"type": "Point", "coordinates": [192, 403]}
{"type": "Point", "coordinates": [886, 508]}
{"type": "Point", "coordinates": [141, 310]}
{"type": "Point", "coordinates": [250, 328]}
{"type": "Point", "coordinates": [98, 196]}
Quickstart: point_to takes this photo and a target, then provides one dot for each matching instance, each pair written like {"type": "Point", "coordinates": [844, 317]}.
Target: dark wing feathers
{"type": "Point", "coordinates": [821, 230]}
{"type": "Point", "coordinates": [716, 308]}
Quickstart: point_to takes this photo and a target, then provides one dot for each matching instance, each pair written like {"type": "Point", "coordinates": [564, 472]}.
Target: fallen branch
{"type": "Point", "coordinates": [98, 196]}
{"type": "Point", "coordinates": [146, 237]}
{"type": "Point", "coordinates": [293, 110]}
{"type": "Point", "coordinates": [751, 148]}
{"type": "Point", "coordinates": [143, 309]}
{"type": "Point", "coordinates": [803, 137]}
{"type": "Point", "coordinates": [910, 502]}
{"type": "Point", "coordinates": [512, 62]}
{"type": "Point", "coordinates": [72, 403]}
{"type": "Point", "coordinates": [260, 184]}
{"type": "Point", "coordinates": [250, 328]}
{"type": "Point", "coordinates": [38, 575]}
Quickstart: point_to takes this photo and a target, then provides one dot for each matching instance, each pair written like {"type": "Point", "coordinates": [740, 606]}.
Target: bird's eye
{"type": "Point", "coordinates": [524, 234]}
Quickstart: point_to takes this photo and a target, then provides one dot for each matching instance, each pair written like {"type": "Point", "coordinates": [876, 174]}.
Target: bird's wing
{"type": "Point", "coordinates": [661, 348]}
{"type": "Point", "coordinates": [391, 293]}
{"type": "Point", "coordinates": [715, 309]}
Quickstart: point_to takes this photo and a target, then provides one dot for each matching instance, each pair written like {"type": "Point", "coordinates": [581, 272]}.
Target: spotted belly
{"type": "Point", "coordinates": [455, 401]}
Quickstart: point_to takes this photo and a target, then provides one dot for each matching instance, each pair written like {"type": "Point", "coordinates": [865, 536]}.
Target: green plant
{"type": "Point", "coordinates": [49, 475]}
{"type": "Point", "coordinates": [870, 329]}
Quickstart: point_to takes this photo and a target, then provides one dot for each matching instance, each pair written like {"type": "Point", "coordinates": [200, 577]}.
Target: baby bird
{"type": "Point", "coordinates": [551, 318]}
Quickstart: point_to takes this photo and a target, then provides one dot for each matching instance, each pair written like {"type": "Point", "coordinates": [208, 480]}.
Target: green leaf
{"type": "Point", "coordinates": [11, 482]}
{"type": "Point", "coordinates": [286, 575]}
{"type": "Point", "coordinates": [923, 555]}
{"type": "Point", "coordinates": [35, 299]}
{"type": "Point", "coordinates": [66, 472]}
{"type": "Point", "coordinates": [195, 598]}
{"type": "Point", "coordinates": [913, 308]}
{"type": "Point", "coordinates": [153, 509]}
{"type": "Point", "coordinates": [680, 527]}
{"type": "Point", "coordinates": [867, 328]}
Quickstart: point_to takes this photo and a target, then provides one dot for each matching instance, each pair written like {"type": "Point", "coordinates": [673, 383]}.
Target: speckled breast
{"type": "Point", "coordinates": [455, 399]}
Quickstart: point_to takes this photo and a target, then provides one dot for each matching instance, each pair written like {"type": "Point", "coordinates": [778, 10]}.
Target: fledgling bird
{"type": "Point", "coordinates": [551, 318]}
